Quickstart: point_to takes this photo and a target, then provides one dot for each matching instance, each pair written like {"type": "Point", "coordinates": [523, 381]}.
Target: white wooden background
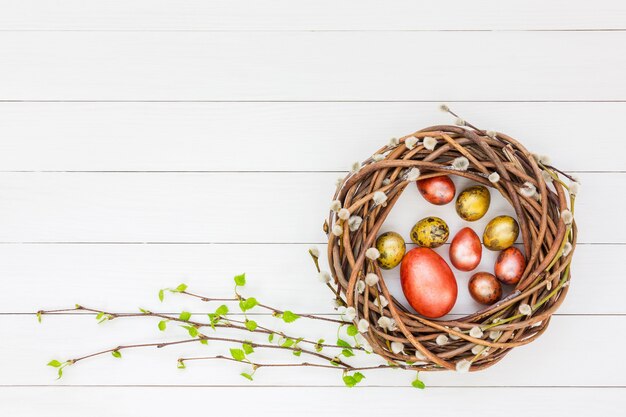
{"type": "Point", "coordinates": [145, 143]}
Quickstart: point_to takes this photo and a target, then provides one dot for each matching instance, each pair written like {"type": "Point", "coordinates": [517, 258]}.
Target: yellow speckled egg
{"type": "Point", "coordinates": [430, 232]}
{"type": "Point", "coordinates": [473, 203]}
{"type": "Point", "coordinates": [392, 248]}
{"type": "Point", "coordinates": [500, 233]}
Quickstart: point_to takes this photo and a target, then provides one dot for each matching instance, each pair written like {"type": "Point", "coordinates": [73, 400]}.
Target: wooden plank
{"type": "Point", "coordinates": [228, 207]}
{"type": "Point", "coordinates": [190, 136]}
{"type": "Point", "coordinates": [555, 359]}
{"type": "Point", "coordinates": [123, 277]}
{"type": "Point", "coordinates": [312, 66]}
{"type": "Point", "coordinates": [312, 15]}
{"type": "Point", "coordinates": [284, 401]}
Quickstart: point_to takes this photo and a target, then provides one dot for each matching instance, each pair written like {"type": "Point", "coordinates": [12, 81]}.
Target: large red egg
{"type": "Point", "coordinates": [437, 190]}
{"type": "Point", "coordinates": [428, 282]}
{"type": "Point", "coordinates": [465, 250]}
{"type": "Point", "coordinates": [510, 266]}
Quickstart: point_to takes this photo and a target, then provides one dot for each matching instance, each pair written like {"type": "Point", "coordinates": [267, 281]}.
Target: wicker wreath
{"type": "Point", "coordinates": [535, 189]}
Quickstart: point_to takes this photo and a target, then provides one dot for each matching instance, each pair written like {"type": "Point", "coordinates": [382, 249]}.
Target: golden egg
{"type": "Point", "coordinates": [473, 203]}
{"type": "Point", "coordinates": [391, 247]}
{"type": "Point", "coordinates": [430, 232]}
{"type": "Point", "coordinates": [500, 233]}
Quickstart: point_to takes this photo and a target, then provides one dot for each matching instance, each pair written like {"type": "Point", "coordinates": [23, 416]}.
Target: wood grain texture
{"type": "Point", "coordinates": [312, 66]}
{"type": "Point", "coordinates": [313, 15]}
{"type": "Point", "coordinates": [187, 136]}
{"type": "Point", "coordinates": [261, 207]}
{"type": "Point", "coordinates": [282, 401]}
{"type": "Point", "coordinates": [71, 336]}
{"type": "Point", "coordinates": [123, 277]}
{"type": "Point", "coordinates": [303, 88]}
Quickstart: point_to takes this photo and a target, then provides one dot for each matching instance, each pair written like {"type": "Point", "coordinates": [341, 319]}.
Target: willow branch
{"type": "Point", "coordinates": [265, 306]}
{"type": "Point", "coordinates": [197, 324]}
{"type": "Point", "coordinates": [257, 365]}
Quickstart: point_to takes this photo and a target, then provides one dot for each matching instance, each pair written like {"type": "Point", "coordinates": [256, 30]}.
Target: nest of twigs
{"type": "Point", "coordinates": [481, 339]}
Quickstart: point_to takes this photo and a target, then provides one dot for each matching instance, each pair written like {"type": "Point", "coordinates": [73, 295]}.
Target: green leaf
{"type": "Point", "coordinates": [144, 311]}
{"type": "Point", "coordinates": [318, 346]}
{"type": "Point", "coordinates": [297, 352]}
{"type": "Point", "coordinates": [213, 319]}
{"type": "Point", "coordinates": [237, 354]}
{"type": "Point", "coordinates": [99, 315]}
{"type": "Point", "coordinates": [181, 288]}
{"type": "Point", "coordinates": [335, 361]}
{"type": "Point", "coordinates": [204, 341]}
{"type": "Point", "coordinates": [247, 348]}
{"type": "Point", "coordinates": [181, 365]}
{"type": "Point", "coordinates": [240, 280]}
{"type": "Point", "coordinates": [247, 376]}
{"type": "Point", "coordinates": [185, 316]}
{"type": "Point", "coordinates": [60, 373]}
{"type": "Point", "coordinates": [162, 325]}
{"type": "Point", "coordinates": [221, 310]}
{"type": "Point", "coordinates": [352, 330]}
{"type": "Point", "coordinates": [248, 304]}
{"type": "Point", "coordinates": [350, 381]}
{"type": "Point", "coordinates": [418, 384]}
{"type": "Point", "coordinates": [358, 376]}
{"type": "Point", "coordinates": [55, 363]}
{"type": "Point", "coordinates": [270, 338]}
{"type": "Point", "coordinates": [193, 332]}
{"type": "Point", "coordinates": [288, 343]}
{"type": "Point", "coordinates": [161, 295]}
{"type": "Point", "coordinates": [39, 316]}
{"type": "Point", "coordinates": [290, 317]}
{"type": "Point", "coordinates": [347, 353]}
{"type": "Point", "coordinates": [116, 354]}
{"type": "Point", "coordinates": [251, 325]}
{"type": "Point", "coordinates": [343, 343]}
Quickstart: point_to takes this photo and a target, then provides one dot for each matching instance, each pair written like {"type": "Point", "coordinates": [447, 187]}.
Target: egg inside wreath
{"type": "Point", "coordinates": [450, 246]}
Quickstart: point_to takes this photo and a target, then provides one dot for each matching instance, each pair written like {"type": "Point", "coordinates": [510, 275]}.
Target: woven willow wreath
{"type": "Point", "coordinates": [536, 192]}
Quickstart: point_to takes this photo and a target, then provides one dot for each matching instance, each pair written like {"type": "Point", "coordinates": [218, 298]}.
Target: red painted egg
{"type": "Point", "coordinates": [437, 190]}
{"type": "Point", "coordinates": [465, 250]}
{"type": "Point", "coordinates": [484, 288]}
{"type": "Point", "coordinates": [428, 282]}
{"type": "Point", "coordinates": [510, 265]}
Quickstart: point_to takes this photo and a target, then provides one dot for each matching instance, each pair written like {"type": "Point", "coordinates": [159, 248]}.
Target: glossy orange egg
{"type": "Point", "coordinates": [465, 250]}
{"type": "Point", "coordinates": [484, 288]}
{"type": "Point", "coordinates": [428, 282]}
{"type": "Point", "coordinates": [510, 266]}
{"type": "Point", "coordinates": [437, 190]}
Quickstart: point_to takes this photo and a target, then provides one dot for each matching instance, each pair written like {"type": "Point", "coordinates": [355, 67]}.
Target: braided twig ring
{"type": "Point", "coordinates": [546, 223]}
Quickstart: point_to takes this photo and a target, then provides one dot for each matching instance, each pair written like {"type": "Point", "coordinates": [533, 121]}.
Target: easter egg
{"type": "Point", "coordinates": [484, 288]}
{"type": "Point", "coordinates": [465, 250]}
{"type": "Point", "coordinates": [430, 232]}
{"type": "Point", "coordinates": [428, 282]}
{"type": "Point", "coordinates": [510, 266]}
{"type": "Point", "coordinates": [391, 247]}
{"type": "Point", "coordinates": [500, 233]}
{"type": "Point", "coordinates": [437, 190]}
{"type": "Point", "coordinates": [473, 203]}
